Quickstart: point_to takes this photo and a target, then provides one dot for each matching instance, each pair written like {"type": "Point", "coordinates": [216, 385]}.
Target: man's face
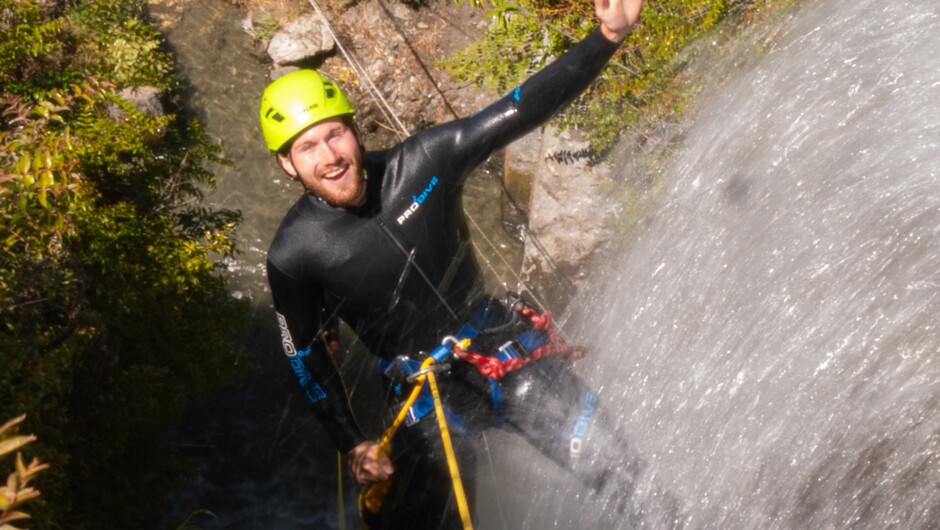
{"type": "Point", "coordinates": [327, 159]}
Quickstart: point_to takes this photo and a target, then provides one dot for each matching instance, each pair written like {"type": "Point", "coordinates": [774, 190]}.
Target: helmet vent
{"type": "Point", "coordinates": [277, 116]}
{"type": "Point", "coordinates": [330, 92]}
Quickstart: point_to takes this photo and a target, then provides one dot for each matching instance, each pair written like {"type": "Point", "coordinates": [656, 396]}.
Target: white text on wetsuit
{"type": "Point", "coordinates": [286, 341]}
{"type": "Point", "coordinates": [584, 421]}
{"type": "Point", "coordinates": [418, 200]}
{"type": "Point", "coordinates": [313, 391]}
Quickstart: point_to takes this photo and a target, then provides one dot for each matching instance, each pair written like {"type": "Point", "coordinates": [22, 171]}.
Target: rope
{"type": "Point", "coordinates": [371, 498]}
{"type": "Point", "coordinates": [462, 504]}
{"type": "Point", "coordinates": [417, 267]}
{"type": "Point", "coordinates": [386, 440]}
{"type": "Point", "coordinates": [373, 495]}
{"type": "Point", "coordinates": [519, 281]}
{"type": "Point", "coordinates": [339, 490]}
{"type": "Point", "coordinates": [495, 369]}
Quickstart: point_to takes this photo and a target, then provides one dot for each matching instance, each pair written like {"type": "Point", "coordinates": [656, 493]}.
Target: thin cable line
{"type": "Point", "coordinates": [386, 109]}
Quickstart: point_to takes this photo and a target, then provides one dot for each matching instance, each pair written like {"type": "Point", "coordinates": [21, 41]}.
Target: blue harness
{"type": "Point", "coordinates": [495, 330]}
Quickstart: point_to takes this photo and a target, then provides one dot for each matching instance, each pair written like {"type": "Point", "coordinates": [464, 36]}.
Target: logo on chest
{"type": "Point", "coordinates": [418, 200]}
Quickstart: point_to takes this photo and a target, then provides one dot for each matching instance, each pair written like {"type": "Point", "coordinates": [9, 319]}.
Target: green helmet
{"type": "Point", "coordinates": [296, 101]}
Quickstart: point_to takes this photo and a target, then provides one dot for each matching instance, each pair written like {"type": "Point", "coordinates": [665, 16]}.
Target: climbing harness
{"type": "Point", "coordinates": [370, 500]}
{"type": "Point", "coordinates": [481, 342]}
{"type": "Point", "coordinates": [538, 343]}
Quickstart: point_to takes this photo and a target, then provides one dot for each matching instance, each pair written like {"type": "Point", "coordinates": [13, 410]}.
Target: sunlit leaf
{"type": "Point", "coordinates": [9, 445]}
{"type": "Point", "coordinates": [23, 164]}
{"type": "Point", "coordinates": [9, 517]}
{"type": "Point", "coordinates": [12, 423]}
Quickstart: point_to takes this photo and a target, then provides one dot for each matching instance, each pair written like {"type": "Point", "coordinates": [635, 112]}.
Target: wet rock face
{"type": "Point", "coordinates": [569, 213]}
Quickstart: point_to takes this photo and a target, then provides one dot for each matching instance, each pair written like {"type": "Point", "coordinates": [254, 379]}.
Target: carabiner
{"type": "Point", "coordinates": [433, 368]}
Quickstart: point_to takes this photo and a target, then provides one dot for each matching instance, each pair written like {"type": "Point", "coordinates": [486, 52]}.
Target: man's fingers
{"type": "Point", "coordinates": [379, 464]}
{"type": "Point", "coordinates": [383, 462]}
{"type": "Point", "coordinates": [618, 17]}
{"type": "Point", "coordinates": [369, 464]}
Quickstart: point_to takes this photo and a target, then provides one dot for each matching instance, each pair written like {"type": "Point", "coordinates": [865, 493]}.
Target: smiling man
{"type": "Point", "coordinates": [327, 159]}
{"type": "Point", "coordinates": [378, 240]}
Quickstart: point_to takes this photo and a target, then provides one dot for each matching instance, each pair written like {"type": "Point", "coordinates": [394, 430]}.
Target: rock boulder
{"type": "Point", "coordinates": [303, 39]}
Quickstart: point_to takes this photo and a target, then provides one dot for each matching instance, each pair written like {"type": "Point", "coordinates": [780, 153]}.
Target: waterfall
{"type": "Point", "coordinates": [769, 342]}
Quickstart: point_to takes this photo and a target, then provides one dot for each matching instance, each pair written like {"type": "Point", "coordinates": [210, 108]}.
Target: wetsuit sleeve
{"type": "Point", "coordinates": [531, 104]}
{"type": "Point", "coordinates": [301, 318]}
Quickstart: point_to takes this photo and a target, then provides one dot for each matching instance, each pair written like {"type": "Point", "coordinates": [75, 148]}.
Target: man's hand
{"type": "Point", "coordinates": [618, 17]}
{"type": "Point", "coordinates": [369, 465]}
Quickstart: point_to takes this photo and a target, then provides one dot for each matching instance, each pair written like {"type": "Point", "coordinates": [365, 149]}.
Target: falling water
{"type": "Point", "coordinates": [769, 343]}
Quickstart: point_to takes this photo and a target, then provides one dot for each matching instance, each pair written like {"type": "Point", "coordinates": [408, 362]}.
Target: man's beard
{"type": "Point", "coordinates": [345, 197]}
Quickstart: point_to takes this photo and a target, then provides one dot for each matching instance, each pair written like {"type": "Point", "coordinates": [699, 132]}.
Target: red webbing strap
{"type": "Point", "coordinates": [493, 368]}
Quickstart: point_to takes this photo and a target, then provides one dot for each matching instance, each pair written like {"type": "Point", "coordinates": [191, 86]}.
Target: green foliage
{"type": "Point", "coordinates": [112, 312]}
{"type": "Point", "coordinates": [46, 45]}
{"type": "Point", "coordinates": [116, 44]}
{"type": "Point", "coordinates": [17, 492]}
{"type": "Point", "coordinates": [531, 45]}
{"type": "Point", "coordinates": [33, 45]}
{"type": "Point", "coordinates": [639, 82]}
{"type": "Point", "coordinates": [265, 26]}
{"type": "Point", "coordinates": [169, 321]}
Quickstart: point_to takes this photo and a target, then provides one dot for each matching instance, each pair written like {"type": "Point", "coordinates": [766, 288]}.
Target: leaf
{"type": "Point", "coordinates": [45, 178]}
{"type": "Point", "coordinates": [12, 516]}
{"type": "Point", "coordinates": [20, 467]}
{"type": "Point", "coordinates": [12, 444]}
{"type": "Point", "coordinates": [10, 424]}
{"type": "Point", "coordinates": [5, 498]}
{"type": "Point", "coordinates": [30, 471]}
{"type": "Point", "coordinates": [23, 164]}
{"type": "Point", "coordinates": [26, 494]}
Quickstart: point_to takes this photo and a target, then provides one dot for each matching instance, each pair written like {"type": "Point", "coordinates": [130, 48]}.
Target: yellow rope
{"type": "Point", "coordinates": [339, 490]}
{"type": "Point", "coordinates": [372, 497]}
{"type": "Point", "coordinates": [451, 458]}
{"type": "Point", "coordinates": [386, 439]}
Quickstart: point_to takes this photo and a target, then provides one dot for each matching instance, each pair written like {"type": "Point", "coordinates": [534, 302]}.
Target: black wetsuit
{"type": "Point", "coordinates": [399, 271]}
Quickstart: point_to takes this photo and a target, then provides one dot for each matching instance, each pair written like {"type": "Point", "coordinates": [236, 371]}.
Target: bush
{"type": "Point", "coordinates": [113, 311]}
